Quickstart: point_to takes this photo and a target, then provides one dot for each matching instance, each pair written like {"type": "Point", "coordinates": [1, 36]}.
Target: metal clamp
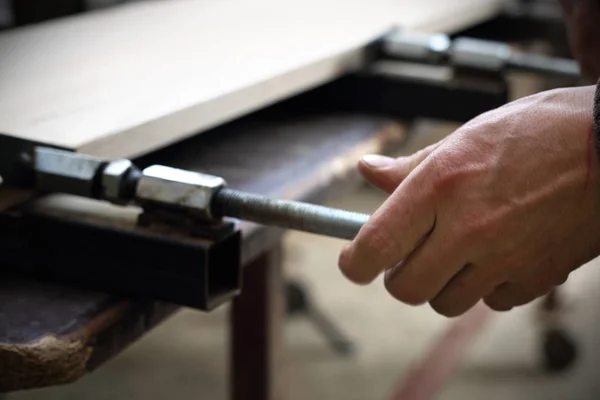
{"type": "Point", "coordinates": [464, 52]}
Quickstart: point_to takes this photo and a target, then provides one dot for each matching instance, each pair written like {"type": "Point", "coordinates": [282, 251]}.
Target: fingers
{"type": "Point", "coordinates": [462, 292]}
{"type": "Point", "coordinates": [426, 271]}
{"type": "Point", "coordinates": [509, 295]}
{"type": "Point", "coordinates": [391, 233]}
{"type": "Point", "coordinates": [386, 173]}
{"type": "Point", "coordinates": [528, 288]}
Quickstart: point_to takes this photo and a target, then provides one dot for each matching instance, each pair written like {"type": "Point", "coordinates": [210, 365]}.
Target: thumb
{"type": "Point", "coordinates": [386, 173]}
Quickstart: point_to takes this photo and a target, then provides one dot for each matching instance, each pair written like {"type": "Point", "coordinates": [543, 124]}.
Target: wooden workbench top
{"type": "Point", "coordinates": [130, 79]}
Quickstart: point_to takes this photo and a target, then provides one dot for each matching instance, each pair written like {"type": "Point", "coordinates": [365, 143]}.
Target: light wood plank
{"type": "Point", "coordinates": [134, 78]}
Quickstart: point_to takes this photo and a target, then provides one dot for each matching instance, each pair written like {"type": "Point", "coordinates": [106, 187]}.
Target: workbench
{"type": "Point", "coordinates": [50, 334]}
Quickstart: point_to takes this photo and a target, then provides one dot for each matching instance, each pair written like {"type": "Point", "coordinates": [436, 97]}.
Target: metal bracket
{"type": "Point", "coordinates": [154, 261]}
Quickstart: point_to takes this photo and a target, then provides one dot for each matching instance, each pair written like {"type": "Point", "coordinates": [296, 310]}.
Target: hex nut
{"type": "Point", "coordinates": [65, 172]}
{"type": "Point", "coordinates": [191, 192]}
{"type": "Point", "coordinates": [112, 179]}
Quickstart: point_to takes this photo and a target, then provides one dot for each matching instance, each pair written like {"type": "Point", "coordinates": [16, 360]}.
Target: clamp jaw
{"type": "Point", "coordinates": [472, 54]}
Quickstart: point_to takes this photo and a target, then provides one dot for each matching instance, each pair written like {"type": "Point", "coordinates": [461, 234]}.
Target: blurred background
{"type": "Point", "coordinates": [377, 346]}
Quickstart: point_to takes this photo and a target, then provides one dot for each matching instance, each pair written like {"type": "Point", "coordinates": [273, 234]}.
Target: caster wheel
{"type": "Point", "coordinates": [559, 350]}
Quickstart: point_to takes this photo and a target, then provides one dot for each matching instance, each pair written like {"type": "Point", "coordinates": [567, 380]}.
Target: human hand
{"type": "Point", "coordinates": [501, 210]}
{"type": "Point", "coordinates": [582, 18]}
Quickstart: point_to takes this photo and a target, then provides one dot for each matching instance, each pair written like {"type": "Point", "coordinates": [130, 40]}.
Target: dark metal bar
{"type": "Point", "coordinates": [138, 262]}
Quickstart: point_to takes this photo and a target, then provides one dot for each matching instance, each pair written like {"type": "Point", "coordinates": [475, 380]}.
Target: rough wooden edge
{"type": "Point", "coordinates": [48, 360]}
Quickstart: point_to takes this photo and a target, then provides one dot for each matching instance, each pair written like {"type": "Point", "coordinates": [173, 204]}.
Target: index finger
{"type": "Point", "coordinates": [391, 233]}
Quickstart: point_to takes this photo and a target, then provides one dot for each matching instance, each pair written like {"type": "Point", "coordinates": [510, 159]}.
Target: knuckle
{"type": "Point", "coordinates": [477, 226]}
{"type": "Point", "coordinates": [379, 241]}
{"type": "Point", "coordinates": [447, 172]}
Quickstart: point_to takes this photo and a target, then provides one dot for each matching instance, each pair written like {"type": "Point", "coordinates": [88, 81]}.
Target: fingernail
{"type": "Point", "coordinates": [377, 161]}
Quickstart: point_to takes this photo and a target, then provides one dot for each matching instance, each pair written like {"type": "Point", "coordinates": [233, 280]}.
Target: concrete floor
{"type": "Point", "coordinates": [185, 357]}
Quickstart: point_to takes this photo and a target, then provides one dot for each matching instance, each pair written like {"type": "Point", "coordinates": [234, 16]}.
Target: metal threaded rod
{"type": "Point", "coordinates": [288, 214]}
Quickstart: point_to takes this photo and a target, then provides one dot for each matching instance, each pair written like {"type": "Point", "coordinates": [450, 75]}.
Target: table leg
{"type": "Point", "coordinates": [257, 319]}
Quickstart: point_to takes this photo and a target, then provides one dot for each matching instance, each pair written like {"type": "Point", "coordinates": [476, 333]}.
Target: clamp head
{"type": "Point", "coordinates": [172, 188]}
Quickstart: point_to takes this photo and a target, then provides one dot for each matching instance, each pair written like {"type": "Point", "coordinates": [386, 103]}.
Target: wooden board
{"type": "Point", "coordinates": [125, 81]}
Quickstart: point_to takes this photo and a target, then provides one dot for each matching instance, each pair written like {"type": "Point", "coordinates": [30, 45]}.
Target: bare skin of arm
{"type": "Point", "coordinates": [502, 210]}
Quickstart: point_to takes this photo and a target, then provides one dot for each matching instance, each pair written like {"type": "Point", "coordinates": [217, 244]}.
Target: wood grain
{"type": "Point", "coordinates": [127, 80]}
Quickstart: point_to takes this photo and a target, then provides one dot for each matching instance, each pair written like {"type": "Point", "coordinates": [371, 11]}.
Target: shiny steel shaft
{"type": "Point", "coordinates": [288, 214]}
